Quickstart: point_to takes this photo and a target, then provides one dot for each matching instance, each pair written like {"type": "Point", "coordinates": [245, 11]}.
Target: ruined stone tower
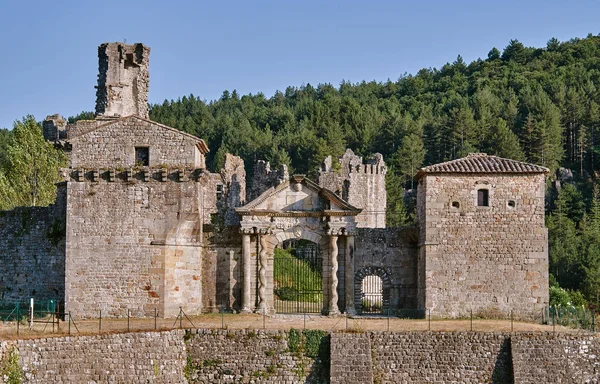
{"type": "Point", "coordinates": [360, 184]}
{"type": "Point", "coordinates": [122, 80]}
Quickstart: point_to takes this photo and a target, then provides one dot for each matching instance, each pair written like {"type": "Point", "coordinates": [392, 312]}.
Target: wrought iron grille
{"type": "Point", "coordinates": [371, 295]}
{"type": "Point", "coordinates": [298, 279]}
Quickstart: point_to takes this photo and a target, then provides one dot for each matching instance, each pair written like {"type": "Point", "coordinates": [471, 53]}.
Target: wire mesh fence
{"type": "Point", "coordinates": [49, 319]}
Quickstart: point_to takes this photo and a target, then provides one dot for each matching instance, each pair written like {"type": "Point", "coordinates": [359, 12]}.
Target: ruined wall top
{"type": "Point", "coordinates": [123, 79]}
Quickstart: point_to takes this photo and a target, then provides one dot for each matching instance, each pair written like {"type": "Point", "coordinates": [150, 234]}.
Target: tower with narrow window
{"type": "Point", "coordinates": [483, 245]}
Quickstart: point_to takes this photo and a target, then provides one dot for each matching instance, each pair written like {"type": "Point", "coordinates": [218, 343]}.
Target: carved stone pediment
{"type": "Point", "coordinates": [296, 205]}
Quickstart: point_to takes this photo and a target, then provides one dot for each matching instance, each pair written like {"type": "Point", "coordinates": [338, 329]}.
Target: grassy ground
{"type": "Point", "coordinates": [8, 330]}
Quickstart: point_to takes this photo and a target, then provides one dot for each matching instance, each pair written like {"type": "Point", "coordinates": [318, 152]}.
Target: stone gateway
{"type": "Point", "coordinates": [141, 225]}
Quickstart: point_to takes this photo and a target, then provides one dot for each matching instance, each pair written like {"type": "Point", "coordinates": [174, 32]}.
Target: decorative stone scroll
{"type": "Point", "coordinates": [333, 295]}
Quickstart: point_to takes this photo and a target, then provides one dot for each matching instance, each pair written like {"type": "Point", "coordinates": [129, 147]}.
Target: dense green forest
{"type": "Point", "coordinates": [535, 104]}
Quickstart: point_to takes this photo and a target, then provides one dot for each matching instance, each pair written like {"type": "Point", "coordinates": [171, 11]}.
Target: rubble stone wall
{"type": "Point", "coordinates": [390, 254]}
{"type": "Point", "coordinates": [555, 358]}
{"type": "Point", "coordinates": [123, 80]}
{"type": "Point", "coordinates": [423, 357]}
{"type": "Point", "coordinates": [488, 259]}
{"type": "Point", "coordinates": [137, 245]}
{"type": "Point", "coordinates": [32, 252]}
{"type": "Point", "coordinates": [112, 145]}
{"type": "Point", "coordinates": [150, 357]}
{"type": "Point", "coordinates": [351, 358]}
{"type": "Point", "coordinates": [234, 356]}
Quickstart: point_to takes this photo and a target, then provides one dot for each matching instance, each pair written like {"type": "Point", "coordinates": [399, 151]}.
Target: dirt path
{"type": "Point", "coordinates": [8, 330]}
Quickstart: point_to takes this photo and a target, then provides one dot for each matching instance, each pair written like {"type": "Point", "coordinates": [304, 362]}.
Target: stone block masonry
{"type": "Point", "coordinates": [251, 356]}
{"type": "Point", "coordinates": [458, 357]}
{"type": "Point", "coordinates": [550, 358]}
{"type": "Point", "coordinates": [351, 358]}
{"type": "Point", "coordinates": [32, 252]}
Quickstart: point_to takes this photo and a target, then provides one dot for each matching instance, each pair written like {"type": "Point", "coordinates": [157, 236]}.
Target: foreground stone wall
{"type": "Point", "coordinates": [153, 357]}
{"type": "Point", "coordinates": [420, 357]}
{"type": "Point", "coordinates": [232, 356]}
{"type": "Point", "coordinates": [248, 356]}
{"type": "Point", "coordinates": [556, 358]}
{"type": "Point", "coordinates": [32, 252]}
{"type": "Point", "coordinates": [488, 259]}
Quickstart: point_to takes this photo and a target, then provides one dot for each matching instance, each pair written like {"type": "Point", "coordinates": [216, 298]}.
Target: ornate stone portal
{"type": "Point", "coordinates": [296, 209]}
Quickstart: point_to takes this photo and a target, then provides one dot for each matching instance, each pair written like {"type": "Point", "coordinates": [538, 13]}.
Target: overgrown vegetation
{"type": "Point", "coordinates": [314, 344]}
{"type": "Point", "coordinates": [10, 370]}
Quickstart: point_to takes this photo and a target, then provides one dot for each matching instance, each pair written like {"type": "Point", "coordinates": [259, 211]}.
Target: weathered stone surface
{"type": "Point", "coordinates": [457, 357]}
{"type": "Point", "coordinates": [556, 358]}
{"type": "Point", "coordinates": [122, 80]}
{"type": "Point", "coordinates": [351, 358]}
{"type": "Point", "coordinates": [32, 252]}
{"type": "Point", "coordinates": [54, 127]}
{"type": "Point", "coordinates": [361, 185]}
{"type": "Point", "coordinates": [488, 259]}
{"type": "Point", "coordinates": [234, 356]}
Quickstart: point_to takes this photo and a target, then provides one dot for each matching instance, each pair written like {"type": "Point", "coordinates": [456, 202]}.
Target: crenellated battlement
{"type": "Point", "coordinates": [150, 174]}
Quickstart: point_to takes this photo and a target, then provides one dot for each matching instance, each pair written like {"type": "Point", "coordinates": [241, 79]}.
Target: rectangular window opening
{"type": "Point", "coordinates": [142, 156]}
{"type": "Point", "coordinates": [482, 198]}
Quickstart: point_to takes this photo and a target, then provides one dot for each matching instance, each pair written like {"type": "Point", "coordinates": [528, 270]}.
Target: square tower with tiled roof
{"type": "Point", "coordinates": [483, 244]}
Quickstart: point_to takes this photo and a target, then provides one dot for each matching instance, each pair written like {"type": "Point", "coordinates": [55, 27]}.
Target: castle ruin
{"type": "Point", "coordinates": [141, 225]}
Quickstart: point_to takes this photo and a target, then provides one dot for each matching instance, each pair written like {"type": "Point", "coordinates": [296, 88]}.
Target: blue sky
{"type": "Point", "coordinates": [49, 48]}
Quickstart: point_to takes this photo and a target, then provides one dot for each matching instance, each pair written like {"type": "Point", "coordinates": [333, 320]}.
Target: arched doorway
{"type": "Point", "coordinates": [372, 287]}
{"type": "Point", "coordinates": [298, 277]}
{"type": "Point", "coordinates": [371, 295]}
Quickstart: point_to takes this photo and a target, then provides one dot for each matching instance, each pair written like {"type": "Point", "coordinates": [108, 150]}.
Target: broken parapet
{"type": "Point", "coordinates": [360, 184]}
{"type": "Point", "coordinates": [123, 80]}
{"type": "Point", "coordinates": [54, 128]}
{"type": "Point", "coordinates": [234, 177]}
{"type": "Point", "coordinates": [264, 178]}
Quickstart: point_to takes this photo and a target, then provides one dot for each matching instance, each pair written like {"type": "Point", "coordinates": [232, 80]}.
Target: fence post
{"type": "Point", "coordinates": [155, 316]}
{"type": "Point", "coordinates": [69, 322]}
{"type": "Point", "coordinates": [222, 317]}
{"type": "Point", "coordinates": [264, 317]}
{"type": "Point", "coordinates": [18, 319]}
{"type": "Point", "coordinates": [100, 322]}
{"type": "Point", "coordinates": [127, 319]}
{"type": "Point", "coordinates": [388, 319]}
{"type": "Point", "coordinates": [305, 321]}
{"type": "Point", "coordinates": [180, 318]}
{"type": "Point", "coordinates": [511, 320]}
{"type": "Point", "coordinates": [553, 319]}
{"type": "Point", "coordinates": [429, 326]}
{"type": "Point", "coordinates": [471, 320]}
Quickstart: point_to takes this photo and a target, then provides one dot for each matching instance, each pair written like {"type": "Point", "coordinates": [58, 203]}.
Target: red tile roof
{"type": "Point", "coordinates": [482, 163]}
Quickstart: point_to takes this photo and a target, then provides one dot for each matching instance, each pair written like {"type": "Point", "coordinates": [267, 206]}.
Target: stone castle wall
{"type": "Point", "coordinates": [231, 356]}
{"type": "Point", "coordinates": [422, 357]}
{"type": "Point", "coordinates": [137, 245]}
{"type": "Point", "coordinates": [113, 144]}
{"type": "Point", "coordinates": [361, 185]}
{"type": "Point", "coordinates": [32, 252]}
{"type": "Point", "coordinates": [391, 254]}
{"type": "Point", "coordinates": [488, 259]}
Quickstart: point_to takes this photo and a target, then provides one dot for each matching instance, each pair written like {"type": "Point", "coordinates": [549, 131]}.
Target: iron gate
{"type": "Point", "coordinates": [371, 300]}
{"type": "Point", "coordinates": [298, 278]}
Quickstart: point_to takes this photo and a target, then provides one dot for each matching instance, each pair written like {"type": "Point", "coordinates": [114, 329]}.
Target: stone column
{"type": "Point", "coordinates": [262, 275]}
{"type": "Point", "coordinates": [349, 278]}
{"type": "Point", "coordinates": [333, 295]}
{"type": "Point", "coordinates": [246, 306]}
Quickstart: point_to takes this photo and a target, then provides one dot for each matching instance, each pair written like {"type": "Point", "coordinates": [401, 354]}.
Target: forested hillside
{"type": "Point", "coordinates": [535, 104]}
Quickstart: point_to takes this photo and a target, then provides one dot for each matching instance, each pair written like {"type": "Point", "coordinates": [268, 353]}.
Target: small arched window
{"type": "Point", "coordinates": [483, 198]}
